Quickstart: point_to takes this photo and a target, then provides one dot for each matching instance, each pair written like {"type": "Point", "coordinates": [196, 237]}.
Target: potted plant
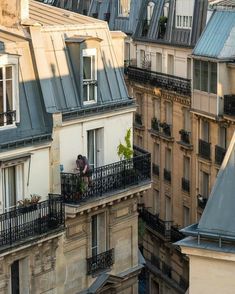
{"type": "Point", "coordinates": [29, 204]}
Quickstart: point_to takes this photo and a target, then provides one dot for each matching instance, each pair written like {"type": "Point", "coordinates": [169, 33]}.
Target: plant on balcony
{"type": "Point", "coordinates": [29, 204]}
{"type": "Point", "coordinates": [162, 26]}
{"type": "Point", "coordinates": [155, 124]}
{"type": "Point", "coordinates": [125, 151]}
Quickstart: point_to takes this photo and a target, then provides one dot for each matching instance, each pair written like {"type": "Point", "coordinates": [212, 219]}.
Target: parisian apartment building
{"type": "Point", "coordinates": [63, 94]}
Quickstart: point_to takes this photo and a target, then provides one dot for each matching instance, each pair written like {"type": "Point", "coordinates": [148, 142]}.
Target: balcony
{"type": "Point", "coordinates": [166, 129]}
{"type": "Point", "coordinates": [155, 168]}
{"type": "Point", "coordinates": [100, 262]}
{"type": "Point", "coordinates": [107, 179]}
{"type": "Point", "coordinates": [219, 154]}
{"type": "Point", "coordinates": [185, 185]}
{"type": "Point", "coordinates": [204, 149]}
{"type": "Point", "coordinates": [185, 137]}
{"type": "Point", "coordinates": [176, 235]}
{"type": "Point", "coordinates": [229, 105]}
{"type": "Point", "coordinates": [31, 221]}
{"type": "Point", "coordinates": [156, 79]}
{"type": "Point", "coordinates": [155, 223]}
{"type": "Point", "coordinates": [201, 201]}
{"type": "Point", "coordinates": [7, 118]}
{"type": "Point", "coordinates": [167, 175]}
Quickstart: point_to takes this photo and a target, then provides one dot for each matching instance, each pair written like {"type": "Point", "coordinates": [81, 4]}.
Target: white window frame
{"type": "Point", "coordinates": [7, 60]}
{"type": "Point", "coordinates": [90, 53]}
{"type": "Point", "coordinates": [122, 13]}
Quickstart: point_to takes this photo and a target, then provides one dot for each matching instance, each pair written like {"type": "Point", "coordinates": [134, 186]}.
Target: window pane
{"type": "Point", "coordinates": [94, 235]}
{"type": "Point", "coordinates": [196, 75]}
{"type": "Point", "coordinates": [204, 76]}
{"type": "Point", "coordinates": [213, 77]}
{"type": "Point", "coordinates": [91, 147]}
{"type": "Point", "coordinates": [1, 73]}
{"type": "Point", "coordinates": [91, 92]}
{"type": "Point", "coordinates": [85, 92]}
{"type": "Point", "coordinates": [1, 100]}
{"type": "Point", "coordinates": [86, 67]}
{"type": "Point", "coordinates": [8, 72]}
{"type": "Point", "coordinates": [9, 102]}
{"type": "Point", "coordinates": [186, 167]}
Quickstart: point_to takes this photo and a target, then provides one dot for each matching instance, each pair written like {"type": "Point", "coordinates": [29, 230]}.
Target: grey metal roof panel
{"type": "Point", "coordinates": [218, 216]}
{"type": "Point", "coordinates": [34, 121]}
{"type": "Point", "coordinates": [217, 40]}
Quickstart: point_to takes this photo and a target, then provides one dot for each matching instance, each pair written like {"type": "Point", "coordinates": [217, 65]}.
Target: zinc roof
{"type": "Point", "coordinates": [218, 38]}
{"type": "Point", "coordinates": [51, 16]}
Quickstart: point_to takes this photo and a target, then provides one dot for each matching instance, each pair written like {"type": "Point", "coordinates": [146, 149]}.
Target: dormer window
{"type": "Point", "coordinates": [89, 76]}
{"type": "Point", "coordinates": [7, 95]}
{"type": "Point", "coordinates": [124, 8]}
{"type": "Point", "coordinates": [184, 14]}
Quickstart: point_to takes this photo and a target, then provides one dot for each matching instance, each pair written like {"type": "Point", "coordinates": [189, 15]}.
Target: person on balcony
{"type": "Point", "coordinates": [84, 169]}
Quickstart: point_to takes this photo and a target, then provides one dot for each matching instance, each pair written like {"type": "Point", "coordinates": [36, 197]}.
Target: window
{"type": "Point", "coordinates": [186, 167]}
{"type": "Point", "coordinates": [13, 185]}
{"type": "Point", "coordinates": [189, 68]}
{"type": "Point", "coordinates": [168, 159]}
{"type": "Point", "coordinates": [98, 234]}
{"type": "Point", "coordinates": [7, 95]}
{"type": "Point", "coordinates": [168, 113]}
{"type": "Point", "coordinates": [204, 184]}
{"type": "Point", "coordinates": [95, 147]}
{"type": "Point", "coordinates": [222, 137]}
{"type": "Point", "coordinates": [158, 62]}
{"type": "Point", "coordinates": [170, 64]}
{"type": "Point", "coordinates": [205, 131]}
{"type": "Point", "coordinates": [89, 76]}
{"type": "Point", "coordinates": [187, 120]}
{"type": "Point", "coordinates": [154, 287]}
{"type": "Point", "coordinates": [184, 13]}
{"type": "Point", "coordinates": [124, 8]}
{"type": "Point", "coordinates": [205, 76]}
{"type": "Point", "coordinates": [167, 208]}
{"type": "Point", "coordinates": [156, 107]}
{"type": "Point", "coordinates": [156, 153]}
{"type": "Point", "coordinates": [142, 58]}
{"type": "Point", "coordinates": [157, 201]}
{"type": "Point", "coordinates": [20, 276]}
{"type": "Point", "coordinates": [139, 101]}
{"type": "Point", "coordinates": [186, 216]}
{"type": "Point", "coordinates": [150, 9]}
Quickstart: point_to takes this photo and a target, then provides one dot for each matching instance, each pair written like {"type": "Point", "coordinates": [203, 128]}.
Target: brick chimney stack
{"type": "Point", "coordinates": [13, 12]}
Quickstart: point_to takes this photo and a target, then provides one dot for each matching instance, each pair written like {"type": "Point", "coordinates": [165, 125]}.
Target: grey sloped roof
{"type": "Point", "coordinates": [218, 216]}
{"type": "Point", "coordinates": [58, 79]}
{"type": "Point", "coordinates": [218, 38]}
{"type": "Point", "coordinates": [34, 121]}
{"type": "Point", "coordinates": [173, 35]}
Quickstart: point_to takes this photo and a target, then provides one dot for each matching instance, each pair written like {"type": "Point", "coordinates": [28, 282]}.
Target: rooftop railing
{"type": "Point", "coordinates": [166, 81]}
{"type": "Point", "coordinates": [107, 179]}
{"type": "Point", "coordinates": [31, 221]}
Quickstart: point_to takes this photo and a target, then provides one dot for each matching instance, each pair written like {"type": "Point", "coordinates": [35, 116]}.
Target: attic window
{"type": "Point", "coordinates": [8, 90]}
{"type": "Point", "coordinates": [184, 14]}
{"type": "Point", "coordinates": [89, 76]}
{"type": "Point", "coordinates": [124, 8]}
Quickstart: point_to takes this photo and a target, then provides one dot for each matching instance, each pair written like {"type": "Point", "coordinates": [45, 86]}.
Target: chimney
{"type": "Point", "coordinates": [13, 12]}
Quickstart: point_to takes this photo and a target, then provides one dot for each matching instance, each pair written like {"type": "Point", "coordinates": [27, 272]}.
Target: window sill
{"type": "Point", "coordinates": [8, 127]}
{"type": "Point", "coordinates": [89, 102]}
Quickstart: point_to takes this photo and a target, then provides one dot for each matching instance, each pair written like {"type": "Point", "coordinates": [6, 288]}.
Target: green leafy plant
{"type": "Point", "coordinates": [125, 151]}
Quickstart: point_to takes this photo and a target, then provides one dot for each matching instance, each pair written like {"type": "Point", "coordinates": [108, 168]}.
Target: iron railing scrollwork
{"type": "Point", "coordinates": [31, 221]}
{"type": "Point", "coordinates": [219, 154]}
{"type": "Point", "coordinates": [107, 178]}
{"type": "Point", "coordinates": [184, 136]}
{"type": "Point", "coordinates": [157, 79]}
{"type": "Point", "coordinates": [100, 262]}
{"type": "Point", "coordinates": [204, 149]}
{"type": "Point", "coordinates": [7, 118]}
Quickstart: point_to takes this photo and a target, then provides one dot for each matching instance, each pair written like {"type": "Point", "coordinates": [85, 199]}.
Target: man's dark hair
{"type": "Point", "coordinates": [80, 156]}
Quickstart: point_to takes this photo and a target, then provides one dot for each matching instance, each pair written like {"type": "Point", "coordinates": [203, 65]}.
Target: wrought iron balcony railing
{"type": "Point", "coordinates": [185, 136]}
{"type": "Point", "coordinates": [176, 235]}
{"type": "Point", "coordinates": [31, 221]}
{"type": "Point", "coordinates": [219, 154]}
{"type": "Point", "coordinates": [201, 201]}
{"type": "Point", "coordinates": [138, 119]}
{"type": "Point", "coordinates": [156, 224]}
{"type": "Point", "coordinates": [7, 118]}
{"type": "Point", "coordinates": [166, 129]}
{"type": "Point", "coordinates": [229, 105]}
{"type": "Point", "coordinates": [107, 178]}
{"type": "Point", "coordinates": [155, 124]}
{"type": "Point", "coordinates": [185, 185]}
{"type": "Point", "coordinates": [100, 262]}
{"type": "Point", "coordinates": [165, 81]}
{"type": "Point", "coordinates": [155, 169]}
{"type": "Point", "coordinates": [204, 149]}
{"type": "Point", "coordinates": [167, 175]}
